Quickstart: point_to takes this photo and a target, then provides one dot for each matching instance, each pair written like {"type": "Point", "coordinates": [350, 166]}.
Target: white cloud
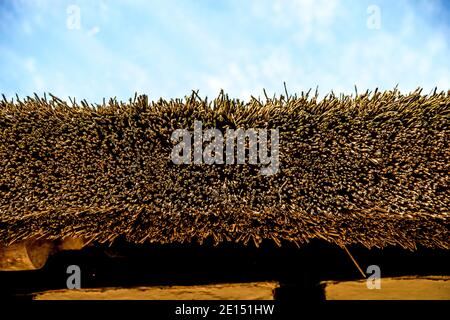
{"type": "Point", "coordinates": [407, 55]}
{"type": "Point", "coordinates": [93, 31]}
{"type": "Point", "coordinates": [167, 50]}
{"type": "Point", "coordinates": [30, 65]}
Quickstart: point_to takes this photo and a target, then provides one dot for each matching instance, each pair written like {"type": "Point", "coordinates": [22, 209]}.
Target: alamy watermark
{"type": "Point", "coordinates": [73, 20]}
{"type": "Point", "coordinates": [74, 280]}
{"type": "Point", "coordinates": [211, 146]}
{"type": "Point", "coordinates": [374, 280]}
{"type": "Point", "coordinates": [373, 21]}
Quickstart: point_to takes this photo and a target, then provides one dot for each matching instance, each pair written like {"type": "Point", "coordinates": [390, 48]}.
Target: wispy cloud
{"type": "Point", "coordinates": [168, 48]}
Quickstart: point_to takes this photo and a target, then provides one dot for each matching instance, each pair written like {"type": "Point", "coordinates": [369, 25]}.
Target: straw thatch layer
{"type": "Point", "coordinates": [372, 169]}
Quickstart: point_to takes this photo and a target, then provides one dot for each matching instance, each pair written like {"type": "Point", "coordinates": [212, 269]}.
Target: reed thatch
{"type": "Point", "coordinates": [371, 169]}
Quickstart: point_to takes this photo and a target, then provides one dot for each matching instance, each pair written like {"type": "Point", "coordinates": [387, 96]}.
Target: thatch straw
{"type": "Point", "coordinates": [371, 169]}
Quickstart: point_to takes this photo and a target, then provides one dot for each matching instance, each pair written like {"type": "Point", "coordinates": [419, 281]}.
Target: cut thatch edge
{"type": "Point", "coordinates": [337, 229]}
{"type": "Point", "coordinates": [368, 227]}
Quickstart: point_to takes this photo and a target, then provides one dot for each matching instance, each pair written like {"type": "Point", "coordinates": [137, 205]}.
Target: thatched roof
{"type": "Point", "coordinates": [372, 169]}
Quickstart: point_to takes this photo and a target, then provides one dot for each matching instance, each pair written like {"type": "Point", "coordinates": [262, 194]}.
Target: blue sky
{"type": "Point", "coordinates": [167, 48]}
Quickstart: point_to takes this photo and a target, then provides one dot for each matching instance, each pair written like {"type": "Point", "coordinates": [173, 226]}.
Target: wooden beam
{"type": "Point", "coordinates": [33, 254]}
{"type": "Point", "coordinates": [228, 291]}
{"type": "Point", "coordinates": [399, 288]}
{"type": "Point", "coordinates": [25, 255]}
